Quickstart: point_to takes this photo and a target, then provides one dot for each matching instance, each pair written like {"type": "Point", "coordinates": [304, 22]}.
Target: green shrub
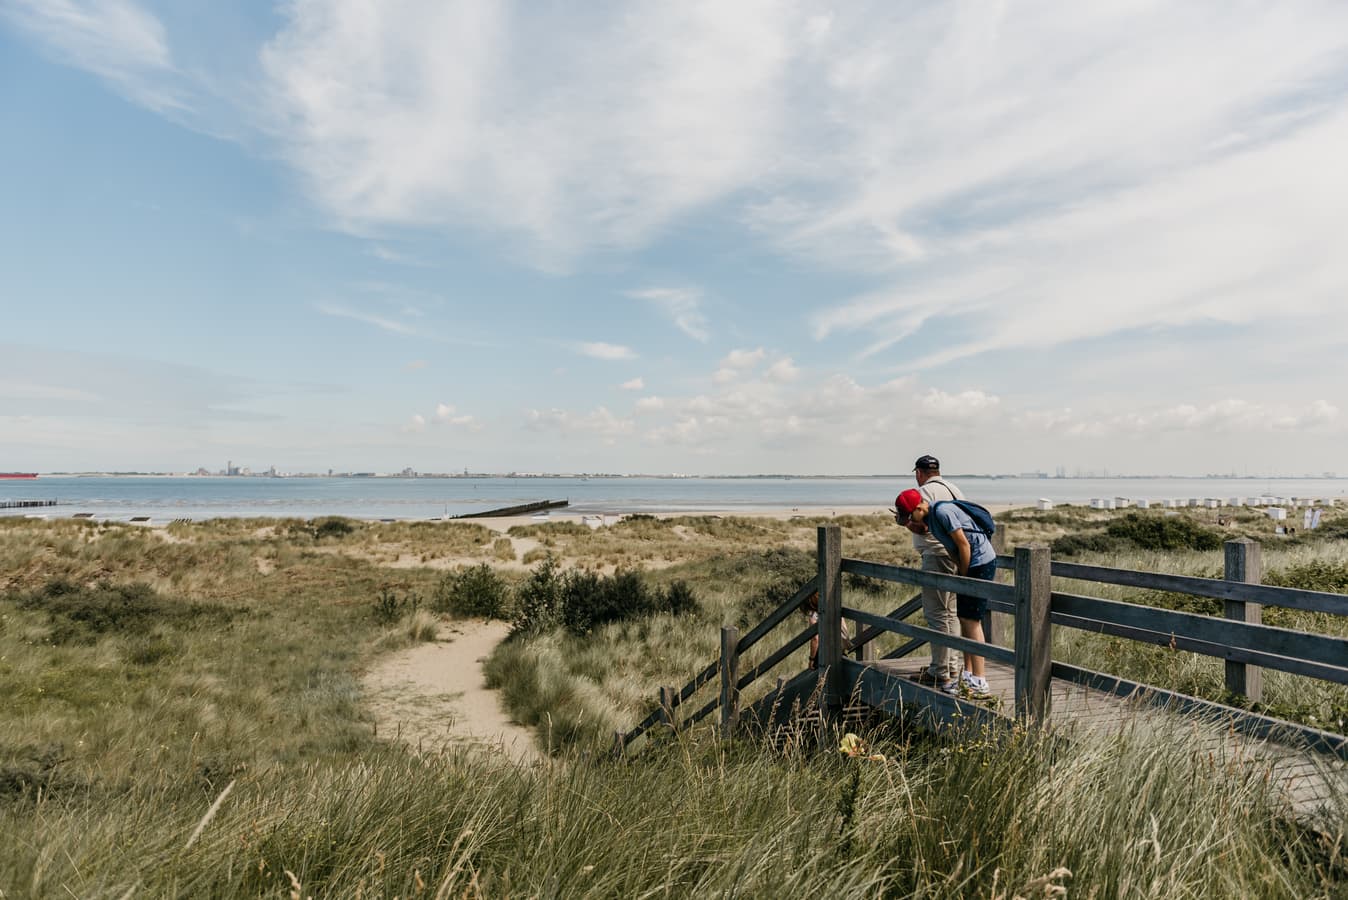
{"type": "Point", "coordinates": [79, 613]}
{"type": "Point", "coordinates": [333, 527]}
{"type": "Point", "coordinates": [503, 548]}
{"type": "Point", "coordinates": [538, 600]}
{"type": "Point", "coordinates": [389, 607]}
{"type": "Point", "coordinates": [1317, 575]}
{"type": "Point", "coordinates": [475, 591]}
{"type": "Point", "coordinates": [679, 599]}
{"type": "Point", "coordinates": [1148, 532]}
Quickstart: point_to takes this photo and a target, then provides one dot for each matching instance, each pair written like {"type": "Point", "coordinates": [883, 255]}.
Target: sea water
{"type": "Point", "coordinates": [166, 498]}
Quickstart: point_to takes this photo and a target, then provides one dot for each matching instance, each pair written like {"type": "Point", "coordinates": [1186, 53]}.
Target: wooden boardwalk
{"type": "Point", "coordinates": [1307, 780]}
{"type": "Point", "coordinates": [1307, 767]}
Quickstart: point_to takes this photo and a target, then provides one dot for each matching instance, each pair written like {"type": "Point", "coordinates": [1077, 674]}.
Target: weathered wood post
{"type": "Point", "coordinates": [619, 743]}
{"type": "Point", "coordinates": [668, 700]}
{"type": "Point", "coordinates": [1034, 636]}
{"type": "Point", "coordinates": [1244, 563]}
{"type": "Point", "coordinates": [830, 617]}
{"type": "Point", "coordinates": [730, 676]}
{"type": "Point", "coordinates": [994, 623]}
{"type": "Point", "coordinates": [865, 653]}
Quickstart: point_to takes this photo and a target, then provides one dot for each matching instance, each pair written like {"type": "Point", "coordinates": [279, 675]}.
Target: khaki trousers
{"type": "Point", "coordinates": [939, 609]}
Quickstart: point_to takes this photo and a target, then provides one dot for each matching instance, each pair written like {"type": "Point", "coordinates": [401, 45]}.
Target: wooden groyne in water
{"type": "Point", "coordinates": [25, 504]}
{"type": "Point", "coordinates": [523, 509]}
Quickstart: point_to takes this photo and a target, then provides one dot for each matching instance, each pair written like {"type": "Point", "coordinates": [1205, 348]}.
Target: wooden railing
{"type": "Point", "coordinates": [1239, 638]}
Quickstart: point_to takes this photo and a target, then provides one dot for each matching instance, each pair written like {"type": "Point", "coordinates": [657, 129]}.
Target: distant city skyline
{"type": "Point", "coordinates": [701, 238]}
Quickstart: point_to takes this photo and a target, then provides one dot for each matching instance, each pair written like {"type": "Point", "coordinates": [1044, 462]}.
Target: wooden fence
{"type": "Point", "coordinates": [1239, 637]}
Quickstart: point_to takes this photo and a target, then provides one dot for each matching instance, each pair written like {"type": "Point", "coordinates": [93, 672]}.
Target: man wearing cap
{"type": "Point", "coordinates": [938, 606]}
{"type": "Point", "coordinates": [971, 551]}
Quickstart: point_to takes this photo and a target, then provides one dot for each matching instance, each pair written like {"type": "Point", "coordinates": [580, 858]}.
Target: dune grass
{"type": "Point", "coordinates": [239, 669]}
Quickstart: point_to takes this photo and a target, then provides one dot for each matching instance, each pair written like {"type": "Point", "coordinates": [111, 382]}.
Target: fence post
{"type": "Point", "coordinates": [1034, 637]}
{"type": "Point", "coordinates": [1244, 563]}
{"type": "Point", "coordinates": [994, 623]}
{"type": "Point", "coordinates": [730, 676]}
{"type": "Point", "coordinates": [668, 697]}
{"type": "Point", "coordinates": [830, 617]}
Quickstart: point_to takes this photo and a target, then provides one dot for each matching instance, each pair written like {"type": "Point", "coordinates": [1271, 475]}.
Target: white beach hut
{"type": "Point", "coordinates": [1276, 513]}
{"type": "Point", "coordinates": [1045, 503]}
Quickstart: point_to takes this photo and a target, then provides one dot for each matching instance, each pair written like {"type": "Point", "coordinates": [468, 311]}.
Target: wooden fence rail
{"type": "Point", "coordinates": [1239, 638]}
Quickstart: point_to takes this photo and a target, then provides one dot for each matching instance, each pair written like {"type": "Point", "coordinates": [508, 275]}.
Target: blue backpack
{"type": "Point", "coordinates": [981, 517]}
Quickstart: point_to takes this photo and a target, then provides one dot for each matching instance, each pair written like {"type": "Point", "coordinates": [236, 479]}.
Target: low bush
{"type": "Point", "coordinates": [474, 591]}
{"type": "Point", "coordinates": [1317, 575]}
{"type": "Point", "coordinates": [1148, 532]}
{"type": "Point", "coordinates": [582, 600]}
{"type": "Point", "coordinates": [80, 613]}
{"type": "Point", "coordinates": [332, 527]}
{"type": "Point", "coordinates": [389, 607]}
{"type": "Point", "coordinates": [538, 600]}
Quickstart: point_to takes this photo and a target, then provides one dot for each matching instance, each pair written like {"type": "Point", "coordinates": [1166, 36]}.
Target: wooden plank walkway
{"type": "Point", "coordinates": [1314, 785]}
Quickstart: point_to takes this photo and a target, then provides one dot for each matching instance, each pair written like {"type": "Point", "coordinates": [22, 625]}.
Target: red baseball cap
{"type": "Point", "coordinates": [908, 501]}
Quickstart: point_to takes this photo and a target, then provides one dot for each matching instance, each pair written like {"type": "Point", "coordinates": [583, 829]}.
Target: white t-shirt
{"type": "Point", "coordinates": [934, 491]}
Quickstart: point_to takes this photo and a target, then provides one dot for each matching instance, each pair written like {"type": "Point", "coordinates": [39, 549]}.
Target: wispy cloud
{"type": "Point", "coordinates": [381, 322]}
{"type": "Point", "coordinates": [634, 384]}
{"type": "Point", "coordinates": [601, 350]}
{"type": "Point", "coordinates": [115, 39]}
{"type": "Point", "coordinates": [681, 305]}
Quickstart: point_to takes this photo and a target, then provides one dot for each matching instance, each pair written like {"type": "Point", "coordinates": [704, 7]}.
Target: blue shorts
{"type": "Point", "coordinates": [969, 607]}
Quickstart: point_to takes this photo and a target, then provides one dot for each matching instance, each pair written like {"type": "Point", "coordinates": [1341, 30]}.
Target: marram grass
{"type": "Point", "coordinates": [969, 814]}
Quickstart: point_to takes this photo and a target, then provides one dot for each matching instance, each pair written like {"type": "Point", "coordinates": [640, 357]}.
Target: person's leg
{"type": "Point", "coordinates": [938, 607]}
{"type": "Point", "coordinates": [973, 630]}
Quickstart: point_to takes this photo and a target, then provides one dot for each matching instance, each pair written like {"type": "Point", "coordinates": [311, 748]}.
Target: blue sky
{"type": "Point", "coordinates": [654, 237]}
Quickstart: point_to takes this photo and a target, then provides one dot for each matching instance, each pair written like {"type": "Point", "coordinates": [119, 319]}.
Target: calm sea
{"type": "Point", "coordinates": [425, 498]}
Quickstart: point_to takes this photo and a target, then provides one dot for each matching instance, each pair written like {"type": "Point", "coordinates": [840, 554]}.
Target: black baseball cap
{"type": "Point", "coordinates": [927, 462]}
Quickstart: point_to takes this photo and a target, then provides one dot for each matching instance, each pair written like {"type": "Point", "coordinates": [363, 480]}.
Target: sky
{"type": "Point", "coordinates": [652, 237]}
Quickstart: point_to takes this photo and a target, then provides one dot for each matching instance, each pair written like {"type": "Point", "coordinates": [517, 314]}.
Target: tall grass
{"type": "Point", "coordinates": [973, 814]}
{"type": "Point", "coordinates": [116, 741]}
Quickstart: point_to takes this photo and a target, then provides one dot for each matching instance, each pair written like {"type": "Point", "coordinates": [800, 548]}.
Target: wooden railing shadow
{"type": "Point", "coordinates": [1240, 638]}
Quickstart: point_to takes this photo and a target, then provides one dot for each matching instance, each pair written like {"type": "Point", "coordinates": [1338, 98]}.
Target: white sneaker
{"type": "Point", "coordinates": [974, 686]}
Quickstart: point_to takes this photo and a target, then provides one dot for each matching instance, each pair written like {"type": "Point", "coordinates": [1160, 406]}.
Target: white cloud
{"type": "Point", "coordinates": [649, 405]}
{"type": "Point", "coordinates": [383, 323]}
{"type": "Point", "coordinates": [600, 422]}
{"type": "Point", "coordinates": [634, 384]}
{"type": "Point", "coordinates": [117, 40]}
{"type": "Point", "coordinates": [782, 370]}
{"type": "Point", "coordinates": [416, 423]}
{"type": "Point", "coordinates": [743, 359]}
{"type": "Point", "coordinates": [601, 350]}
{"type": "Point", "coordinates": [681, 305]}
{"type": "Point", "coordinates": [445, 415]}
{"type": "Point", "coordinates": [568, 128]}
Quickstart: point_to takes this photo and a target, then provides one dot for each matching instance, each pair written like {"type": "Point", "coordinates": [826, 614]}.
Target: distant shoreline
{"type": "Point", "coordinates": [362, 476]}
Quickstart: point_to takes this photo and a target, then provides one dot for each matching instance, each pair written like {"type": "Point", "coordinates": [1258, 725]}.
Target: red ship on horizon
{"type": "Point", "coordinates": [18, 474]}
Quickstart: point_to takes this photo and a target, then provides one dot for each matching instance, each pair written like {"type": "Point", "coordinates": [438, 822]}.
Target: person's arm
{"type": "Point", "coordinates": [963, 552]}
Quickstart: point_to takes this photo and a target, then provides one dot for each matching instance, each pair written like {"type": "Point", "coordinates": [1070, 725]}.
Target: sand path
{"type": "Point", "coordinates": [434, 694]}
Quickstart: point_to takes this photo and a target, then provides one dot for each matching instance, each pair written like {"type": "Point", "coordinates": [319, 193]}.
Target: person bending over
{"type": "Point", "coordinates": [973, 556]}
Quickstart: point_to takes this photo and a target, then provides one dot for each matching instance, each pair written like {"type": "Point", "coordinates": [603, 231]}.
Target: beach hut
{"type": "Point", "coordinates": [1045, 503]}
{"type": "Point", "coordinates": [1122, 502]}
{"type": "Point", "coordinates": [1235, 501]}
{"type": "Point", "coordinates": [1097, 503]}
{"type": "Point", "coordinates": [1144, 504]}
{"type": "Point", "coordinates": [1212, 503]}
{"type": "Point", "coordinates": [1276, 513]}
{"type": "Point", "coordinates": [1172, 503]}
